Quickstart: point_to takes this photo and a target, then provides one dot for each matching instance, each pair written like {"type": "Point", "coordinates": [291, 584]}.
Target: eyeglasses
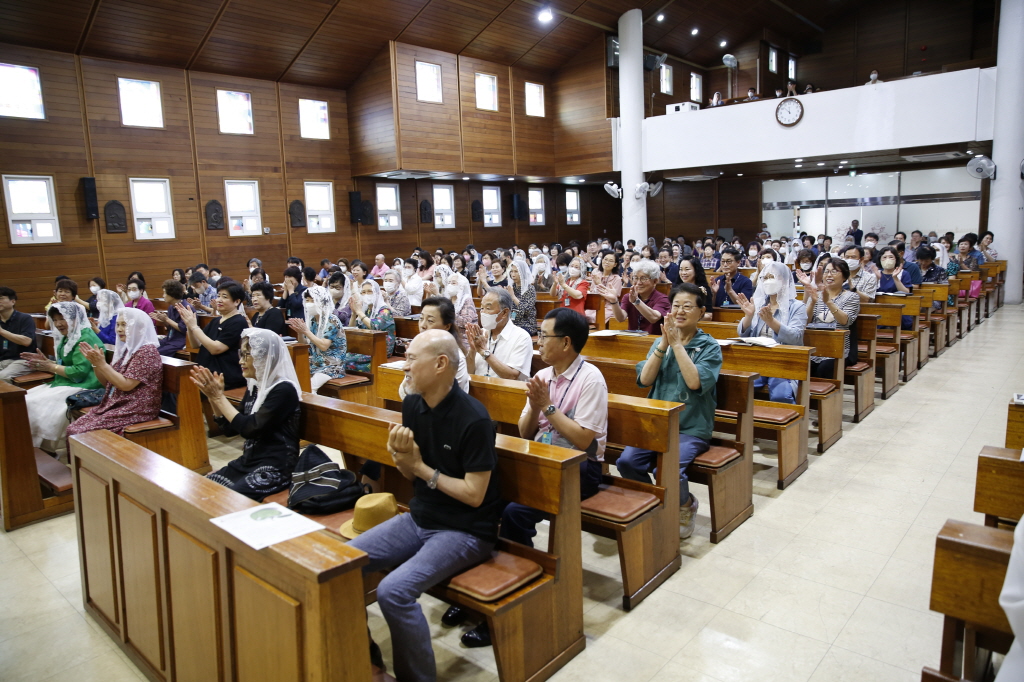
{"type": "Point", "coordinates": [643, 279]}
{"type": "Point", "coordinates": [243, 355]}
{"type": "Point", "coordinates": [684, 308]}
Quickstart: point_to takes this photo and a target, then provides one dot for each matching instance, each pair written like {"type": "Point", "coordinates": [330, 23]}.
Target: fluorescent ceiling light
{"type": "Point", "coordinates": [465, 178]}
{"type": "Point", "coordinates": [546, 15]}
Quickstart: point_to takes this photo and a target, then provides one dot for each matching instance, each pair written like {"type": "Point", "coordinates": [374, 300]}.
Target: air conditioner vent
{"type": "Point", "coordinates": [937, 156]}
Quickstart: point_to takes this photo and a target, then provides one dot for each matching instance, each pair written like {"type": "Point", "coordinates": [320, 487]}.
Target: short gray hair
{"type": "Point", "coordinates": [647, 267]}
{"type": "Point", "coordinates": [504, 298]}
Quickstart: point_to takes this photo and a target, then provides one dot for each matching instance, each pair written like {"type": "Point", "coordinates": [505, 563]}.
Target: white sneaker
{"type": "Point", "coordinates": [688, 518]}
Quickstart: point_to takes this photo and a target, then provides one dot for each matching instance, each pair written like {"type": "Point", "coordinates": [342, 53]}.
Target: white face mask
{"type": "Point", "coordinates": [805, 266]}
{"type": "Point", "coordinates": [310, 309]}
{"type": "Point", "coordinates": [874, 76]}
{"type": "Point", "coordinates": [252, 268]}
{"type": "Point", "coordinates": [772, 286]}
{"type": "Point", "coordinates": [336, 294]}
{"type": "Point", "coordinates": [94, 288]}
{"type": "Point", "coordinates": [574, 272]}
{"type": "Point", "coordinates": [752, 252]}
{"type": "Point", "coordinates": [213, 279]}
{"type": "Point", "coordinates": [408, 271]}
{"type": "Point", "coordinates": [488, 321]}
{"type": "Point", "coordinates": [766, 260]}
{"type": "Point", "coordinates": [134, 295]}
{"type": "Point", "coordinates": [869, 244]}
{"type": "Point", "coordinates": [344, 269]}
{"type": "Point", "coordinates": [853, 263]}
{"type": "Point", "coordinates": [390, 287]}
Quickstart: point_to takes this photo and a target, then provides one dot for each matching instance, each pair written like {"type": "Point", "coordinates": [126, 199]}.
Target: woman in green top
{"type": "Point", "coordinates": [681, 367]}
{"type": "Point", "coordinates": [72, 372]}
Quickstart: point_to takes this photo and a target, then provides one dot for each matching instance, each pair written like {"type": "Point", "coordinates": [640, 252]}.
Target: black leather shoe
{"type": "Point", "coordinates": [376, 657]}
{"type": "Point", "coordinates": [454, 616]}
{"type": "Point", "coordinates": [477, 637]}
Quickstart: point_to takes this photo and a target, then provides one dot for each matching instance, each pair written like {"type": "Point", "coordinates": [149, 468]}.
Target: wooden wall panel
{"type": "Point", "coordinates": [323, 160]}
{"type": "Point", "coordinates": [143, 603]}
{"type": "Point", "coordinates": [486, 135]}
{"type": "Point", "coordinates": [120, 152]}
{"type": "Point", "coordinates": [680, 87]}
{"type": "Point", "coordinates": [429, 133]}
{"type": "Point", "coordinates": [881, 41]}
{"type": "Point", "coordinates": [56, 147]}
{"type": "Point", "coordinates": [268, 626]}
{"type": "Point", "coordinates": [941, 33]}
{"type": "Point", "coordinates": [739, 206]}
{"type": "Point", "coordinates": [97, 535]}
{"type": "Point", "coordinates": [583, 136]}
{"type": "Point", "coordinates": [534, 135]}
{"type": "Point", "coordinates": [372, 118]}
{"type": "Point", "coordinates": [194, 588]}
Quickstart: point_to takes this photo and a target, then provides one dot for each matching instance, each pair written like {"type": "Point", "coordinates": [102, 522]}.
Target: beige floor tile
{"type": "Point", "coordinates": [39, 536]}
{"type": "Point", "coordinates": [877, 502]}
{"type": "Point", "coordinates": [899, 478]}
{"type": "Point", "coordinates": [937, 510]}
{"type": "Point", "coordinates": [860, 531]}
{"type": "Point", "coordinates": [796, 604]}
{"type": "Point", "coordinates": [904, 583]}
{"type": "Point", "coordinates": [51, 649]}
{"type": "Point", "coordinates": [784, 514]}
{"type": "Point", "coordinates": [714, 579]}
{"type": "Point", "coordinates": [609, 658]}
{"type": "Point", "coordinates": [23, 611]}
{"type": "Point", "coordinates": [20, 575]}
{"type": "Point", "coordinates": [953, 486]}
{"type": "Point", "coordinates": [754, 544]}
{"type": "Point", "coordinates": [827, 563]}
{"type": "Point", "coordinates": [662, 624]}
{"type": "Point", "coordinates": [900, 636]}
{"type": "Point", "coordinates": [107, 667]}
{"type": "Point", "coordinates": [840, 665]}
{"type": "Point", "coordinates": [9, 551]}
{"type": "Point", "coordinates": [57, 560]}
{"type": "Point", "coordinates": [676, 672]}
{"type": "Point", "coordinates": [70, 586]}
{"type": "Point", "coordinates": [734, 647]}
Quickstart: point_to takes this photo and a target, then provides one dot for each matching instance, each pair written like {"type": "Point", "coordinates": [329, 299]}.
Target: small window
{"type": "Point", "coordinates": [21, 95]}
{"type": "Point", "coordinates": [141, 106]}
{"type": "Point", "coordinates": [444, 207]}
{"type": "Point", "coordinates": [696, 87]}
{"type": "Point", "coordinates": [492, 207]}
{"type": "Point", "coordinates": [151, 208]}
{"type": "Point", "coordinates": [534, 99]}
{"type": "Point", "coordinates": [314, 122]}
{"type": "Point", "coordinates": [773, 60]}
{"type": "Point", "coordinates": [666, 79]}
{"type": "Point", "coordinates": [572, 207]}
{"type": "Point", "coordinates": [486, 92]}
{"type": "Point", "coordinates": [428, 82]}
{"type": "Point", "coordinates": [319, 206]}
{"type": "Point", "coordinates": [389, 216]}
{"type": "Point", "coordinates": [234, 111]}
{"type": "Point", "coordinates": [536, 199]}
{"type": "Point", "coordinates": [243, 207]}
{"type": "Point", "coordinates": [792, 68]}
{"type": "Point", "coordinates": [31, 209]}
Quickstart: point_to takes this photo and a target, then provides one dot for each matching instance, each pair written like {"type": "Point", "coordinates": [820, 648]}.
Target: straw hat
{"type": "Point", "coordinates": [371, 510]}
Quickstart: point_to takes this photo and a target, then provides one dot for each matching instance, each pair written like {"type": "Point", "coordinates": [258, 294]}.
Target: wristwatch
{"type": "Point", "coordinates": [486, 354]}
{"type": "Point", "coordinates": [549, 410]}
{"type": "Point", "coordinates": [432, 483]}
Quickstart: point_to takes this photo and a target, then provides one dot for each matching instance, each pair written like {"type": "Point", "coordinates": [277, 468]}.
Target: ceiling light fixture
{"type": "Point", "coordinates": [545, 15]}
{"type": "Point", "coordinates": [797, 160]}
{"type": "Point", "coordinates": [739, 175]}
{"type": "Point", "coordinates": [693, 32]}
{"type": "Point", "coordinates": [511, 178]}
{"type": "Point", "coordinates": [465, 178]}
{"type": "Point", "coordinates": [581, 180]}
{"type": "Point", "coordinates": [661, 17]}
{"type": "Point", "coordinates": [799, 165]}
{"type": "Point", "coordinates": [842, 162]}
{"type": "Point", "coordinates": [721, 44]}
{"type": "Point", "coordinates": [969, 151]}
{"type": "Point", "coordinates": [821, 163]}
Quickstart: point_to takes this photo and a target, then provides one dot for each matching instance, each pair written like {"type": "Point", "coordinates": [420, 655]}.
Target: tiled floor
{"type": "Point", "coordinates": [827, 582]}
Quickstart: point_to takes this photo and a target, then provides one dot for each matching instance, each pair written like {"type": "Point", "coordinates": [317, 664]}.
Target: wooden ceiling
{"type": "Point", "coordinates": [330, 42]}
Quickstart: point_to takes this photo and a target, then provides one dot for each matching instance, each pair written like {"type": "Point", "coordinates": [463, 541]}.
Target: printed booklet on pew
{"type": "Point", "coordinates": [266, 525]}
{"type": "Point", "coordinates": [762, 341]}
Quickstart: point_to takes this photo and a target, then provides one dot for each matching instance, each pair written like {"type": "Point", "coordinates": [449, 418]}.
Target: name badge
{"type": "Point", "coordinates": [546, 437]}
{"type": "Point", "coordinates": [567, 299]}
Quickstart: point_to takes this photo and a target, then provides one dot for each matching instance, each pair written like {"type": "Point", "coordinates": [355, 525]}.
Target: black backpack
{"type": "Point", "coordinates": [320, 486]}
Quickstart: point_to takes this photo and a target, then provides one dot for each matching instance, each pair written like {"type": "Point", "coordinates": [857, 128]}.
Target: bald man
{"type": "Point", "coordinates": [380, 266]}
{"type": "Point", "coordinates": [445, 446]}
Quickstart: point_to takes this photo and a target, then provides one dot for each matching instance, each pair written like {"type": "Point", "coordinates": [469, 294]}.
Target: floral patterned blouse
{"type": "Point", "coordinates": [526, 311]}
{"type": "Point", "coordinates": [331, 361]}
{"type": "Point", "coordinates": [383, 321]}
{"type": "Point", "coordinates": [468, 314]}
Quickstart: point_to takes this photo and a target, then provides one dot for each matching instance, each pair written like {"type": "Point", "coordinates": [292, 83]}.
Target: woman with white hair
{"type": "Point", "coordinates": [134, 380]}
{"type": "Point", "coordinates": [268, 420]}
{"type": "Point", "coordinates": [322, 328]}
{"type": "Point", "coordinates": [460, 293]}
{"type": "Point", "coordinates": [524, 295]}
{"type": "Point", "coordinates": [108, 305]}
{"type": "Point", "coordinates": [394, 294]}
{"type": "Point", "coordinates": [370, 311]}
{"type": "Point", "coordinates": [543, 279]}
{"type": "Point", "coordinates": [774, 313]}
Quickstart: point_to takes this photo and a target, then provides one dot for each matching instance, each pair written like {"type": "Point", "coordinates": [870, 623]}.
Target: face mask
{"type": "Point", "coordinates": [487, 264]}
{"type": "Point", "coordinates": [344, 269]}
{"type": "Point", "coordinates": [488, 321]}
{"type": "Point", "coordinates": [932, 240]}
{"type": "Point", "coordinates": [752, 252]}
{"type": "Point", "coordinates": [772, 286]}
{"type": "Point", "coordinates": [310, 309]}
{"type": "Point", "coordinates": [214, 278]}
{"type": "Point", "coordinates": [94, 289]}
{"type": "Point", "coordinates": [390, 287]}
{"type": "Point", "coordinates": [336, 294]}
{"type": "Point", "coordinates": [252, 269]}
{"type": "Point", "coordinates": [805, 266]}
{"type": "Point", "coordinates": [888, 263]}
{"type": "Point", "coordinates": [408, 272]}
{"type": "Point", "coordinates": [134, 295]}
{"type": "Point", "coordinates": [853, 263]}
{"type": "Point", "coordinates": [767, 259]}
{"type": "Point", "coordinates": [874, 76]}
{"type": "Point", "coordinates": [869, 244]}
{"type": "Point", "coordinates": [574, 272]}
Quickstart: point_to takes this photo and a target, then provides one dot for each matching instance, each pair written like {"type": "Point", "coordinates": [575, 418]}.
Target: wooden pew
{"type": "Point", "coordinates": [909, 339]}
{"type": "Point", "coordinates": [887, 356]}
{"type": "Point", "coordinates": [861, 375]}
{"type": "Point", "coordinates": [938, 316]}
{"type": "Point", "coordinates": [950, 314]}
{"type": "Point", "coordinates": [1014, 426]}
{"type": "Point", "coordinates": [537, 628]}
{"type": "Point", "coordinates": [185, 600]}
{"type": "Point", "coordinates": [965, 304]}
{"type": "Point", "coordinates": [406, 327]}
{"type": "Point", "coordinates": [924, 326]}
{"type": "Point", "coordinates": [358, 387]}
{"type": "Point", "coordinates": [787, 424]}
{"type": "Point", "coordinates": [999, 485]}
{"type": "Point", "coordinates": [729, 480]}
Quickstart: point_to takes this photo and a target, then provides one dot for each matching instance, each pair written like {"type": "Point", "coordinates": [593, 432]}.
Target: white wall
{"type": "Point", "coordinates": [936, 109]}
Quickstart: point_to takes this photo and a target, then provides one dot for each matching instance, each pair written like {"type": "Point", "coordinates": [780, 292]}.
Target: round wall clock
{"type": "Point", "coordinates": [789, 112]}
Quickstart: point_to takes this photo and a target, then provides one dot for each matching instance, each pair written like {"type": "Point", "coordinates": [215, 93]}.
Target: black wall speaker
{"type": "Point", "coordinates": [355, 206]}
{"type": "Point", "coordinates": [520, 208]}
{"type": "Point", "coordinates": [92, 206]}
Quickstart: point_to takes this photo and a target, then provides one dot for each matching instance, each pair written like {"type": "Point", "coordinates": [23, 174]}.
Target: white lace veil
{"type": "Point", "coordinates": [524, 274]}
{"type": "Point", "coordinates": [941, 254]}
{"type": "Point", "coordinates": [139, 332]}
{"type": "Point", "coordinates": [542, 266]}
{"type": "Point", "coordinates": [462, 288]}
{"type": "Point", "coordinates": [272, 363]}
{"type": "Point", "coordinates": [442, 273]}
{"type": "Point", "coordinates": [786, 295]}
{"type": "Point", "coordinates": [323, 302]}
{"type": "Point", "coordinates": [74, 315]}
{"type": "Point", "coordinates": [379, 303]}
{"type": "Point", "coordinates": [109, 304]}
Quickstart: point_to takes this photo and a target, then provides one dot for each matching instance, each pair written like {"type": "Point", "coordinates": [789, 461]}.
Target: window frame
{"type": "Point", "coordinates": [397, 210]}
{"type": "Point", "coordinates": [299, 106]}
{"type": "Point", "coordinates": [791, 68]}
{"type": "Point", "coordinates": [773, 59]}
{"type": "Point", "coordinates": [440, 81]}
{"type": "Point", "coordinates": [160, 85]}
{"type": "Point", "coordinates": [450, 212]}
{"type": "Point", "coordinates": [258, 213]}
{"type": "Point", "coordinates": [476, 91]}
{"type": "Point", "coordinates": [662, 71]}
{"type": "Point", "coordinates": [252, 112]}
{"type": "Point", "coordinates": [42, 94]}
{"type": "Point", "coordinates": [543, 213]}
{"type": "Point", "coordinates": [700, 87]}
{"type": "Point", "coordinates": [31, 217]}
{"type": "Point", "coordinates": [136, 216]}
{"type": "Point", "coordinates": [492, 212]}
{"type": "Point", "coordinates": [568, 211]}
{"type": "Point", "coordinates": [310, 213]}
{"type": "Point", "coordinates": [526, 99]}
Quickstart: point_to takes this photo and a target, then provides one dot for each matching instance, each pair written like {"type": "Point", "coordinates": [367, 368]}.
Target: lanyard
{"type": "Point", "coordinates": [491, 347]}
{"type": "Point", "coordinates": [569, 386]}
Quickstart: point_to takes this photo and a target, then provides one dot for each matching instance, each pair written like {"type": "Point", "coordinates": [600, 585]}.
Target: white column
{"type": "Point", "coordinates": [631, 118]}
{"type": "Point", "coordinates": [1006, 201]}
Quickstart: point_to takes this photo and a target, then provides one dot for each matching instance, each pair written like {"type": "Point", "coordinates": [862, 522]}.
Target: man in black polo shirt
{"type": "Point", "coordinates": [446, 447]}
{"type": "Point", "coordinates": [17, 336]}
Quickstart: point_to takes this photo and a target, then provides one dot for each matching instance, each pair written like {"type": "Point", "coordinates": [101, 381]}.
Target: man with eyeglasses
{"type": "Point", "coordinates": [644, 306]}
{"type": "Point", "coordinates": [567, 406]}
{"type": "Point", "coordinates": [729, 286]}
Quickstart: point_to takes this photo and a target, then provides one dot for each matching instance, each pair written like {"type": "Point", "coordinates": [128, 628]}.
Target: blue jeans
{"type": "Point", "coordinates": [519, 522]}
{"type": "Point", "coordinates": [638, 465]}
{"type": "Point", "coordinates": [779, 390]}
{"type": "Point", "coordinates": [421, 559]}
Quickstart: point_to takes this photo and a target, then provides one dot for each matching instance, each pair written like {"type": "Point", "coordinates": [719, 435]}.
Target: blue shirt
{"type": "Point", "coordinates": [915, 272]}
{"type": "Point", "coordinates": [741, 284]}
